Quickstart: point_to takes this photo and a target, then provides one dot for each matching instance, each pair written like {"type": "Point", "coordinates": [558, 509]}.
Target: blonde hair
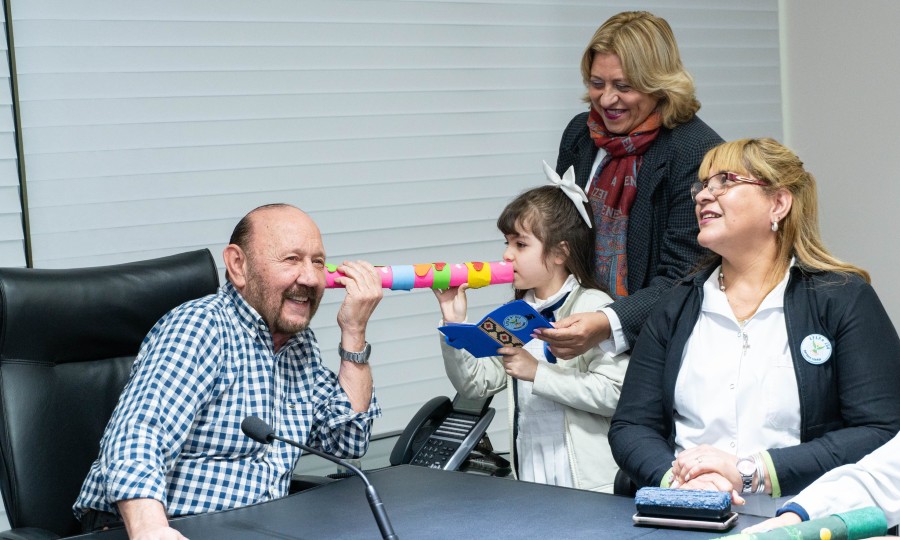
{"type": "Point", "coordinates": [650, 60]}
{"type": "Point", "coordinates": [798, 232]}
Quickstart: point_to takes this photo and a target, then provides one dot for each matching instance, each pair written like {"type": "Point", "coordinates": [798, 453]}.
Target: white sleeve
{"type": "Point", "coordinates": [591, 382]}
{"type": "Point", "coordinates": [617, 343]}
{"type": "Point", "coordinates": [873, 481]}
{"type": "Point", "coordinates": [595, 390]}
{"type": "Point", "coordinates": [473, 378]}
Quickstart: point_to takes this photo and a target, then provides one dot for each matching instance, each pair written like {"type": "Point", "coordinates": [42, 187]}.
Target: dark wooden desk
{"type": "Point", "coordinates": [431, 504]}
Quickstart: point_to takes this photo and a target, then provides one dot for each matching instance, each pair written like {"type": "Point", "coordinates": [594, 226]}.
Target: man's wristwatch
{"type": "Point", "coordinates": [746, 466]}
{"type": "Point", "coordinates": [361, 357]}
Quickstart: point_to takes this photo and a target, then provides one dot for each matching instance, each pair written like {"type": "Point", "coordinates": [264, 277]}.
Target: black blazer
{"type": "Point", "coordinates": [661, 244]}
{"type": "Point", "coordinates": [848, 404]}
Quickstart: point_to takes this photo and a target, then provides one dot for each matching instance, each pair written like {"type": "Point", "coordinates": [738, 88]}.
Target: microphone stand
{"type": "Point", "coordinates": [381, 517]}
{"type": "Point", "coordinates": [258, 430]}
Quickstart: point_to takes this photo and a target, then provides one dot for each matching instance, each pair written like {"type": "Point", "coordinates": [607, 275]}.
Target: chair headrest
{"type": "Point", "coordinates": [59, 316]}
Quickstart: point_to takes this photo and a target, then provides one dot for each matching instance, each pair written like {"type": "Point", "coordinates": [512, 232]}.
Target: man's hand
{"type": "Point", "coordinates": [145, 519]}
{"type": "Point", "coordinates": [575, 334]}
{"type": "Point", "coordinates": [518, 363]}
{"type": "Point", "coordinates": [363, 293]}
{"type": "Point", "coordinates": [162, 533]}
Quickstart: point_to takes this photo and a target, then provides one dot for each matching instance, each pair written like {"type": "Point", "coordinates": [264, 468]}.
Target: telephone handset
{"type": "Point", "coordinates": [442, 433]}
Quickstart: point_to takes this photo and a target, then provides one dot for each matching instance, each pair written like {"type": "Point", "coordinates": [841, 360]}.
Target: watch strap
{"type": "Point", "coordinates": [361, 357]}
{"type": "Point", "coordinates": [747, 478]}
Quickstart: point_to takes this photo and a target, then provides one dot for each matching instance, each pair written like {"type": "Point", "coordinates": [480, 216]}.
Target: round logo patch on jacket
{"type": "Point", "coordinates": [816, 349]}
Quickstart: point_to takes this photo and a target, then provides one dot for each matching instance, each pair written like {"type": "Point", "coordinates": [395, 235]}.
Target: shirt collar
{"type": "Point", "coordinates": [247, 317]}
{"type": "Point", "coordinates": [715, 301]}
{"type": "Point", "coordinates": [539, 303]}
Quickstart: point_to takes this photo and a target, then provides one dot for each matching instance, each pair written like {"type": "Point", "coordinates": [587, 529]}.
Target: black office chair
{"type": "Point", "coordinates": [623, 485]}
{"type": "Point", "coordinates": [68, 339]}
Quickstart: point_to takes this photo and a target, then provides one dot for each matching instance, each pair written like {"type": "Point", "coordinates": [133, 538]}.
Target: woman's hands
{"type": "Point", "coordinates": [575, 334]}
{"type": "Point", "coordinates": [453, 303]}
{"type": "Point", "coordinates": [704, 458]}
{"type": "Point", "coordinates": [707, 467]}
{"type": "Point", "coordinates": [713, 482]}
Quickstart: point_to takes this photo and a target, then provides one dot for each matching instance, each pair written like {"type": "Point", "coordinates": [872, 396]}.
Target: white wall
{"type": "Point", "coordinates": [840, 63]}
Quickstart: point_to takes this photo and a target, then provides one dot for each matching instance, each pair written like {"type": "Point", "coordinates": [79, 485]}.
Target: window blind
{"type": "Point", "coordinates": [12, 247]}
{"type": "Point", "coordinates": [402, 127]}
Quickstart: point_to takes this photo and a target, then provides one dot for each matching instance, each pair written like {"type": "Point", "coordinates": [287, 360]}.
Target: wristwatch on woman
{"type": "Point", "coordinates": [746, 467]}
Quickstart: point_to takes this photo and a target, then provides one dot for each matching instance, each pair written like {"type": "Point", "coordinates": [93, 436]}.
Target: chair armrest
{"type": "Point", "coordinates": [28, 533]}
{"type": "Point", "coordinates": [300, 482]}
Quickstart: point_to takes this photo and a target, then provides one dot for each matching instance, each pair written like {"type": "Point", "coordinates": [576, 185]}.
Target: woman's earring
{"type": "Point", "coordinates": [774, 226]}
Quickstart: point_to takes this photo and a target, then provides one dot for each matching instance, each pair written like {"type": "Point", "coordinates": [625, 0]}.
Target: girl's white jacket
{"type": "Point", "coordinates": [587, 385]}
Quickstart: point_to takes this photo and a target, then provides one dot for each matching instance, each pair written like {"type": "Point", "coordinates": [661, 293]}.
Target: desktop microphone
{"type": "Point", "coordinates": [258, 430]}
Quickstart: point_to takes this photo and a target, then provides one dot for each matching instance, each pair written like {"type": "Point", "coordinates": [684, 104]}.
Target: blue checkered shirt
{"type": "Point", "coordinates": [175, 435]}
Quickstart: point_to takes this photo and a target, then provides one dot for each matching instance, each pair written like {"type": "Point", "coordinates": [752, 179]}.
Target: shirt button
{"type": "Point", "coordinates": [732, 444]}
{"type": "Point", "coordinates": [731, 386]}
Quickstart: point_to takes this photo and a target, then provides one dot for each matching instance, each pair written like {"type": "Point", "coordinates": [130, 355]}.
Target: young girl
{"type": "Point", "coordinates": [559, 409]}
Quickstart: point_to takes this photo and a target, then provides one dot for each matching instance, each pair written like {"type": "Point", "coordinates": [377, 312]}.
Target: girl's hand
{"type": "Point", "coordinates": [518, 363]}
{"type": "Point", "coordinates": [703, 459]}
{"type": "Point", "coordinates": [453, 303]}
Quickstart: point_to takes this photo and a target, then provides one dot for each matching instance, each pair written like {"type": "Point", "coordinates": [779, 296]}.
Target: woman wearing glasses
{"type": "Point", "coordinates": [773, 365]}
{"type": "Point", "coordinates": [635, 152]}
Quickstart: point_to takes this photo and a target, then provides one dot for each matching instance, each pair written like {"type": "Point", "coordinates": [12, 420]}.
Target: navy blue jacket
{"type": "Point", "coordinates": [849, 405]}
{"type": "Point", "coordinates": [661, 244]}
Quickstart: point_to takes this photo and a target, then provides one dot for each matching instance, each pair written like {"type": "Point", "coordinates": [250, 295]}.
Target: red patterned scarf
{"type": "Point", "coordinates": [612, 194]}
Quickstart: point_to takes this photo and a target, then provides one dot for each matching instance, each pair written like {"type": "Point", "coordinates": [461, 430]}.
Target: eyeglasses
{"type": "Point", "coordinates": [719, 183]}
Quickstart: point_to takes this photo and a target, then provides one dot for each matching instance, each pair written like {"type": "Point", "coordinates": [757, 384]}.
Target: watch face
{"type": "Point", "coordinates": [746, 467]}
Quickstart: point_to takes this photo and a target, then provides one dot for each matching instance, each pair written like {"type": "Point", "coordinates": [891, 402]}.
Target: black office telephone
{"type": "Point", "coordinates": [451, 436]}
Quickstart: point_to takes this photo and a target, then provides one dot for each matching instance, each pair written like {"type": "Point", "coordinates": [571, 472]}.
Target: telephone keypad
{"type": "Point", "coordinates": [443, 443]}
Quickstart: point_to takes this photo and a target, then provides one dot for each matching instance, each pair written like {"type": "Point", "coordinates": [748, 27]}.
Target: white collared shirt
{"type": "Point", "coordinates": [541, 445]}
{"type": "Point", "coordinates": [736, 389]}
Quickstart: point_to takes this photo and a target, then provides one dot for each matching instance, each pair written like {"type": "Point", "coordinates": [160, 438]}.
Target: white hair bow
{"type": "Point", "coordinates": [570, 188]}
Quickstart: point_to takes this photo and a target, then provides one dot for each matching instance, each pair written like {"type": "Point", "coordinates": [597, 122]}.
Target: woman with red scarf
{"type": "Point", "coordinates": [636, 154]}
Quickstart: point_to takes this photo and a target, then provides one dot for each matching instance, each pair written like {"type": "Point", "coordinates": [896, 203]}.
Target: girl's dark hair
{"type": "Point", "coordinates": [553, 219]}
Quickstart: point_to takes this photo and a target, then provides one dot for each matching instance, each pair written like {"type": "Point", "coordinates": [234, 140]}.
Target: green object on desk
{"type": "Point", "coordinates": [853, 525]}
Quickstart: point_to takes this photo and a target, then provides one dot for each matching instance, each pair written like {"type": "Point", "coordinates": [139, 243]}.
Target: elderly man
{"type": "Point", "coordinates": [174, 444]}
